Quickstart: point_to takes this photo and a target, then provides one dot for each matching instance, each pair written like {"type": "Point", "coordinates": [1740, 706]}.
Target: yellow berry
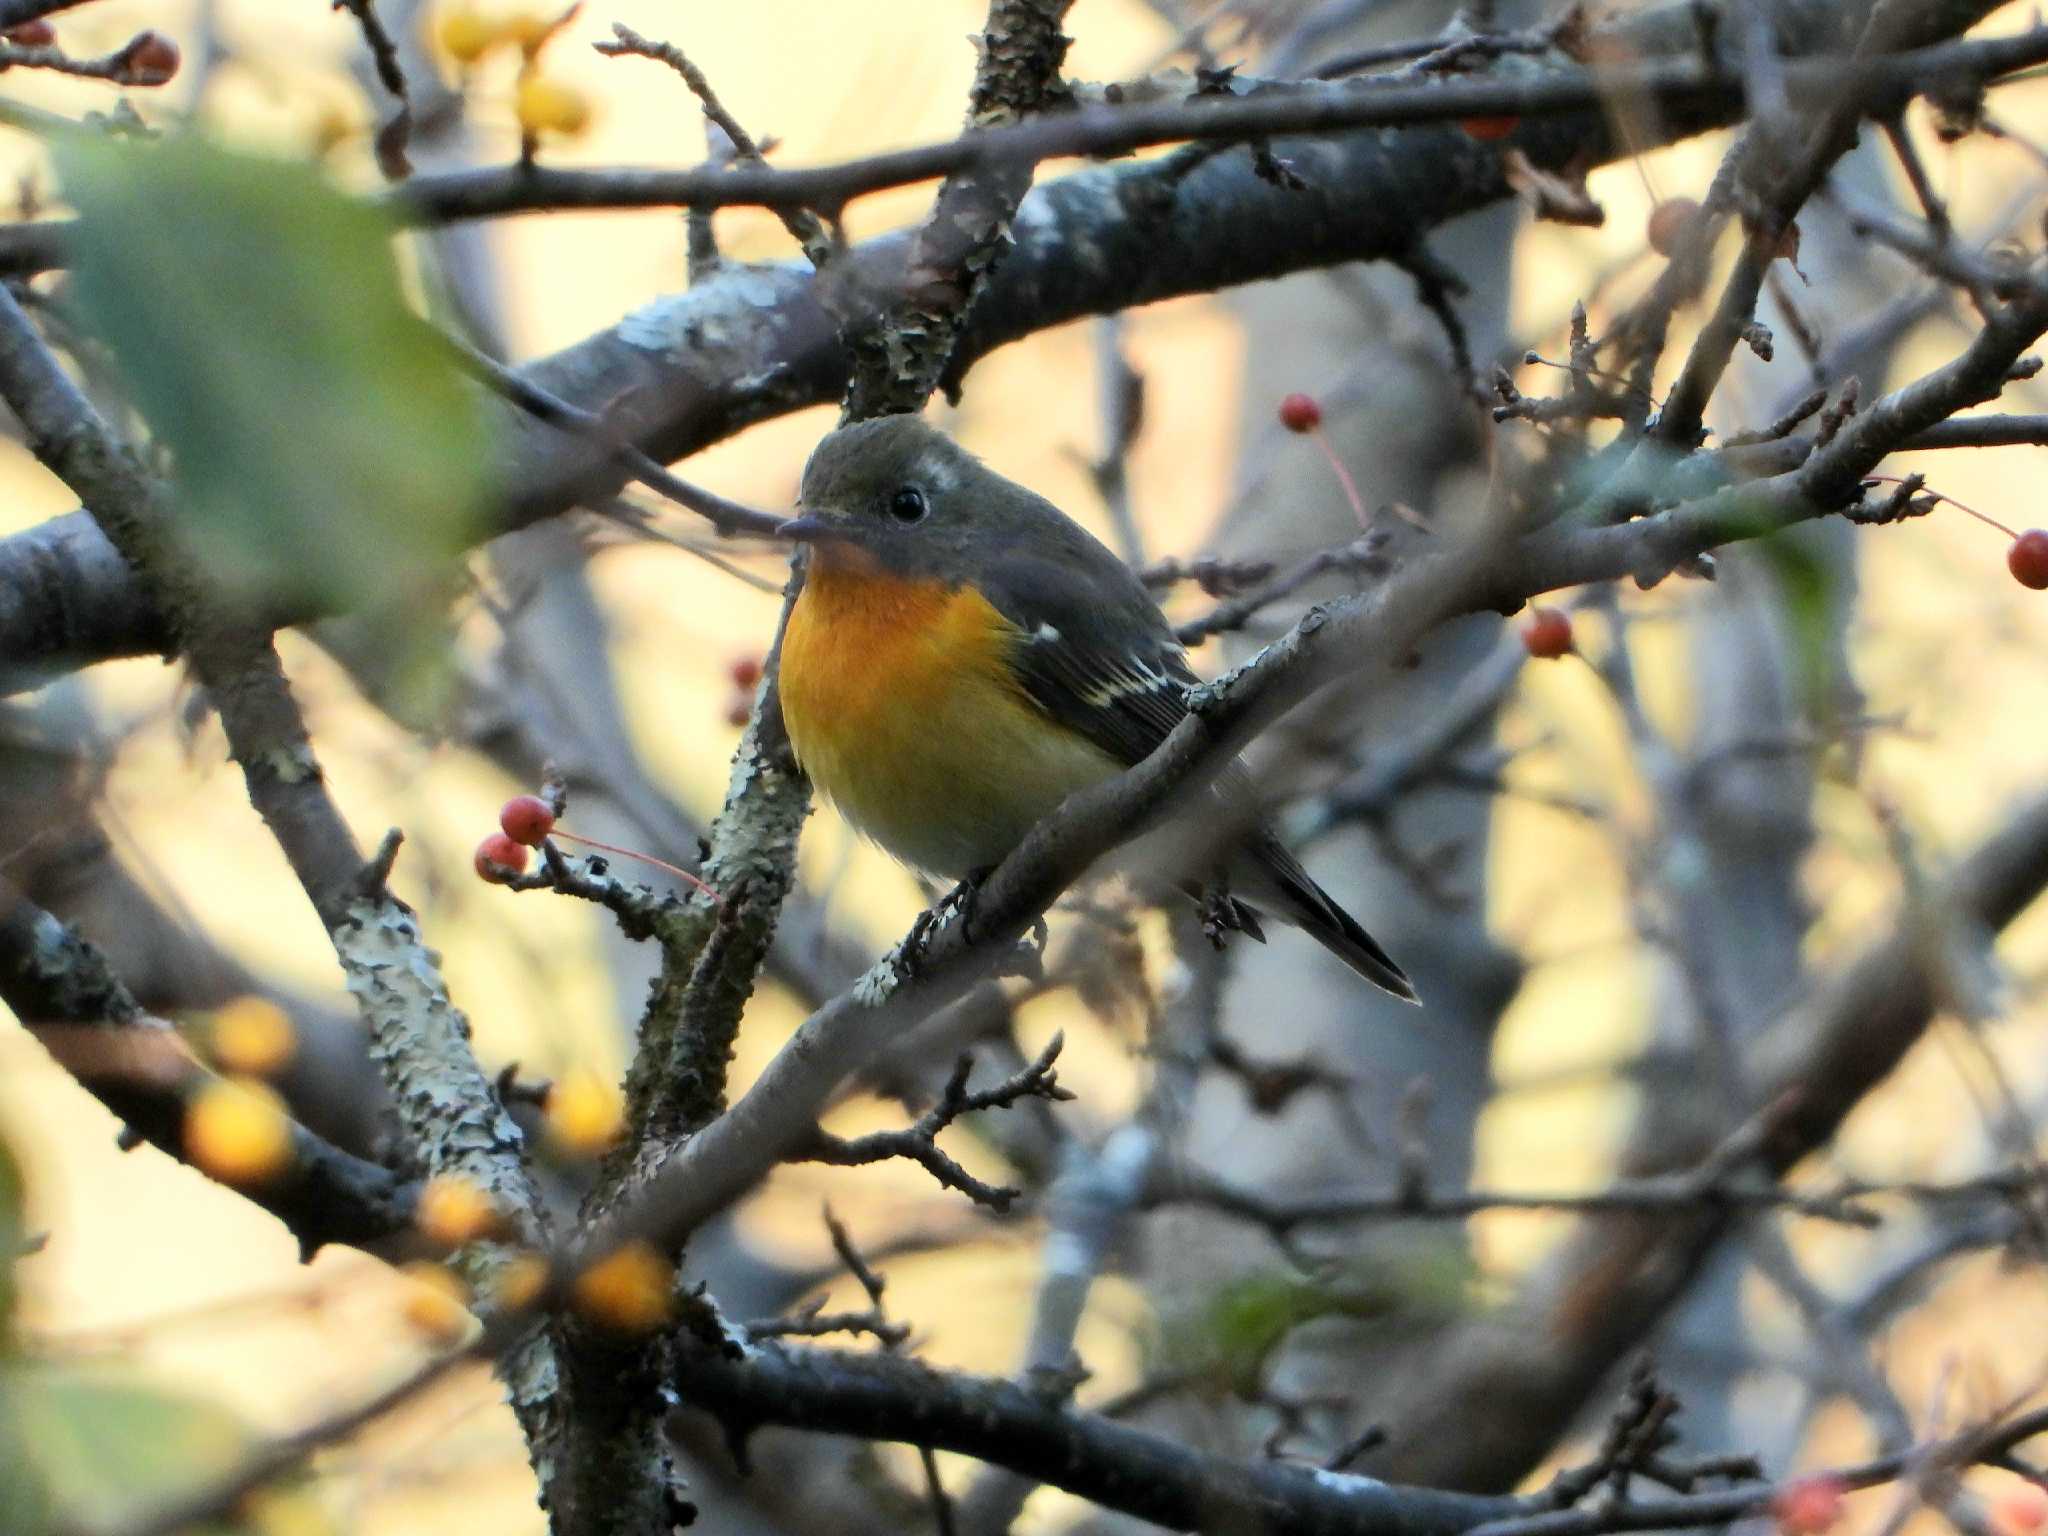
{"type": "Point", "coordinates": [254, 1036]}
{"type": "Point", "coordinates": [466, 35]}
{"type": "Point", "coordinates": [519, 1282]}
{"type": "Point", "coordinates": [436, 1303]}
{"type": "Point", "coordinates": [548, 106]}
{"type": "Point", "coordinates": [584, 1113]}
{"type": "Point", "coordinates": [627, 1290]}
{"type": "Point", "coordinates": [237, 1131]}
{"type": "Point", "coordinates": [453, 1211]}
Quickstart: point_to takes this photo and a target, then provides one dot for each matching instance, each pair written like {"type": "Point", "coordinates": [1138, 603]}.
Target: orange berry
{"type": "Point", "coordinates": [1810, 1505]}
{"type": "Point", "coordinates": [527, 819]}
{"type": "Point", "coordinates": [2027, 559]}
{"type": "Point", "coordinates": [498, 859]}
{"type": "Point", "coordinates": [584, 1113]}
{"type": "Point", "coordinates": [1300, 413]}
{"type": "Point", "coordinates": [454, 1210]}
{"type": "Point", "coordinates": [549, 106]}
{"type": "Point", "coordinates": [627, 1290]}
{"type": "Point", "coordinates": [237, 1131]}
{"type": "Point", "coordinates": [253, 1036]}
{"type": "Point", "coordinates": [2020, 1510]}
{"type": "Point", "coordinates": [1548, 634]}
{"type": "Point", "coordinates": [519, 1282]}
{"type": "Point", "coordinates": [436, 1302]}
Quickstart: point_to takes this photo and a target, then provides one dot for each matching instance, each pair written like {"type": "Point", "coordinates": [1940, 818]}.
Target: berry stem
{"type": "Point", "coordinates": [1343, 478]}
{"type": "Point", "coordinates": [1982, 517]}
{"type": "Point", "coordinates": [644, 858]}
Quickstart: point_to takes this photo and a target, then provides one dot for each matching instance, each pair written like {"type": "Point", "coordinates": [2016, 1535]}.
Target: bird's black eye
{"type": "Point", "coordinates": [908, 505]}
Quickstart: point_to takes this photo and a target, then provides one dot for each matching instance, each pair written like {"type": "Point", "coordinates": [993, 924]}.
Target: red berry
{"type": "Point", "coordinates": [497, 854]}
{"type": "Point", "coordinates": [1548, 634]}
{"type": "Point", "coordinates": [1667, 223]}
{"type": "Point", "coordinates": [2020, 1510]}
{"type": "Point", "coordinates": [746, 672]}
{"type": "Point", "coordinates": [1300, 413]}
{"type": "Point", "coordinates": [32, 34]}
{"type": "Point", "coordinates": [527, 819]}
{"type": "Point", "coordinates": [1809, 1506]}
{"type": "Point", "coordinates": [2028, 559]}
{"type": "Point", "coordinates": [1489, 130]}
{"type": "Point", "coordinates": [739, 710]}
{"type": "Point", "coordinates": [150, 59]}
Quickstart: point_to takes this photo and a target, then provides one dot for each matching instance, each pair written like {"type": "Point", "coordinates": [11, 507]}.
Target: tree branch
{"type": "Point", "coordinates": [690, 369]}
{"type": "Point", "coordinates": [1494, 571]}
{"type": "Point", "coordinates": [60, 986]}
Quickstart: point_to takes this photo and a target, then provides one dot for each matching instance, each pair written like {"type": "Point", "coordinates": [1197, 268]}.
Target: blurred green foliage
{"type": "Point", "coordinates": [325, 444]}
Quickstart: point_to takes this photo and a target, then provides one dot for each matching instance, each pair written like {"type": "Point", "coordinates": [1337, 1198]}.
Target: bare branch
{"type": "Point", "coordinates": [919, 1142]}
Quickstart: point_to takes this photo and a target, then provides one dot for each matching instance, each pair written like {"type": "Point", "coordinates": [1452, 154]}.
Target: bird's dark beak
{"type": "Point", "coordinates": [810, 529]}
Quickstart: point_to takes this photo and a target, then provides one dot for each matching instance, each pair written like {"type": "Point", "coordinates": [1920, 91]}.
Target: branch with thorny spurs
{"type": "Point", "coordinates": [920, 1142]}
{"type": "Point", "coordinates": [1498, 571]}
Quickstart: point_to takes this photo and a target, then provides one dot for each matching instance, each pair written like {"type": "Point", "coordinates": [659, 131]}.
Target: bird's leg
{"type": "Point", "coordinates": [956, 905]}
{"type": "Point", "coordinates": [1222, 913]}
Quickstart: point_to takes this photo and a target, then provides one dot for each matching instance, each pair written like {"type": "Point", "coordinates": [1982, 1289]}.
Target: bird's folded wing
{"type": "Point", "coordinates": [1094, 653]}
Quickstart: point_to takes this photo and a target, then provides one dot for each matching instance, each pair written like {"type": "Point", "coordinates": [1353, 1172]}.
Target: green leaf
{"type": "Point", "coordinates": [1231, 1337]}
{"type": "Point", "coordinates": [102, 1451]}
{"type": "Point", "coordinates": [324, 443]}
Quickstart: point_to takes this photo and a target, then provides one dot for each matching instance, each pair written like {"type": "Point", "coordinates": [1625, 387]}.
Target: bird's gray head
{"type": "Point", "coordinates": [906, 495]}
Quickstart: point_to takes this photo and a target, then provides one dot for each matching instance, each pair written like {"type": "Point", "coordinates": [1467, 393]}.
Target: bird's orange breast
{"type": "Point", "coordinates": [903, 707]}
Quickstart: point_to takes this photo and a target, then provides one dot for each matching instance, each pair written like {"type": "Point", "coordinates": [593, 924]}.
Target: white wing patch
{"type": "Point", "coordinates": [1133, 676]}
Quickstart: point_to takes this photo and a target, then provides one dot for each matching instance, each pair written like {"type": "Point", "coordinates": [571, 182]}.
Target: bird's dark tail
{"type": "Point", "coordinates": [1278, 883]}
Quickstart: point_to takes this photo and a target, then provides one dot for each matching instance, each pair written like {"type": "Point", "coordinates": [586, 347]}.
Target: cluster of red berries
{"type": "Point", "coordinates": [527, 821]}
{"type": "Point", "coordinates": [524, 822]}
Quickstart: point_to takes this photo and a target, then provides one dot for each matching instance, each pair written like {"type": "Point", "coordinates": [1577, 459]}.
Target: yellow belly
{"type": "Point", "coordinates": [899, 705]}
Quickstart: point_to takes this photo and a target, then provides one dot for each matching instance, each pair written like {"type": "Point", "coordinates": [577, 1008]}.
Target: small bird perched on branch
{"type": "Point", "coordinates": [964, 656]}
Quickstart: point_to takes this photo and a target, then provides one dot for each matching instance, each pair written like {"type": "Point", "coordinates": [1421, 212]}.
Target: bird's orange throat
{"type": "Point", "coordinates": [903, 706]}
{"type": "Point", "coordinates": [858, 629]}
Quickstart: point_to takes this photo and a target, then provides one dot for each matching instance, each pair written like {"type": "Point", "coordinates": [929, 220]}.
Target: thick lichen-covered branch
{"type": "Point", "coordinates": [899, 352]}
{"type": "Point", "coordinates": [692, 368]}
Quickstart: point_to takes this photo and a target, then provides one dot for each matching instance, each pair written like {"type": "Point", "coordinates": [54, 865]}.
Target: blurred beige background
{"type": "Point", "coordinates": [149, 1263]}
